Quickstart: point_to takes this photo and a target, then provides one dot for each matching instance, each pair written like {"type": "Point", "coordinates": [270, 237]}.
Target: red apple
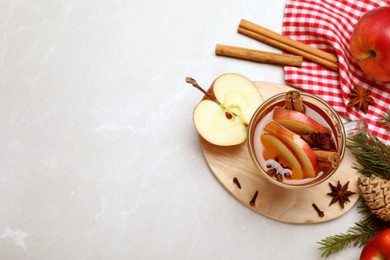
{"type": "Point", "coordinates": [302, 150]}
{"type": "Point", "coordinates": [298, 122]}
{"type": "Point", "coordinates": [223, 116]}
{"type": "Point", "coordinates": [370, 43]}
{"type": "Point", "coordinates": [378, 247]}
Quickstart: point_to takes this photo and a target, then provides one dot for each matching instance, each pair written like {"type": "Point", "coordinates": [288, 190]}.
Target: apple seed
{"type": "Point", "coordinates": [228, 115]}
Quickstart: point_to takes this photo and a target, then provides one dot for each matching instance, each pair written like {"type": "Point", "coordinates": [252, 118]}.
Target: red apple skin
{"type": "Point", "coordinates": [378, 247]}
{"type": "Point", "coordinates": [372, 36]}
{"type": "Point", "coordinates": [298, 122]}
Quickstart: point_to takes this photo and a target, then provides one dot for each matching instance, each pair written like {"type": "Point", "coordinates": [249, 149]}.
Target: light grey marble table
{"type": "Point", "coordinates": [99, 155]}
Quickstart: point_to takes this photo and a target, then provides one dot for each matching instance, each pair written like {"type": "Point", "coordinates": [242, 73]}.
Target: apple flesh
{"type": "Point", "coordinates": [275, 149]}
{"type": "Point", "coordinates": [370, 43]}
{"type": "Point", "coordinates": [213, 125]}
{"type": "Point", "coordinates": [223, 121]}
{"type": "Point", "coordinates": [378, 247]}
{"type": "Point", "coordinates": [302, 150]}
{"type": "Point", "coordinates": [298, 122]}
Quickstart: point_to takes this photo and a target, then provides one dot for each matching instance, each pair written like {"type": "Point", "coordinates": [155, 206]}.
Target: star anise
{"type": "Point", "coordinates": [319, 140]}
{"type": "Point", "coordinates": [340, 193]}
{"type": "Point", "coordinates": [360, 99]}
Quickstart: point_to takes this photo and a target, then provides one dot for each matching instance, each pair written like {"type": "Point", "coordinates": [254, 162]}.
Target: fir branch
{"type": "Point", "coordinates": [386, 119]}
{"type": "Point", "coordinates": [357, 235]}
{"type": "Point", "coordinates": [372, 155]}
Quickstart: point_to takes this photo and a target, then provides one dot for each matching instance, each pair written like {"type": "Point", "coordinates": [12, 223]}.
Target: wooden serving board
{"type": "Point", "coordinates": [286, 205]}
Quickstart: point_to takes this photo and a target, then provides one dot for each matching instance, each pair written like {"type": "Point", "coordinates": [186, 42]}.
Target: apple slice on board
{"type": "Point", "coordinates": [302, 150]}
{"type": "Point", "coordinates": [298, 122]}
{"type": "Point", "coordinates": [223, 116]}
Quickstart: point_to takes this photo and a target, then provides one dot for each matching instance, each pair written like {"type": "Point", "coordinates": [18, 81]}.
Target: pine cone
{"type": "Point", "coordinates": [375, 192]}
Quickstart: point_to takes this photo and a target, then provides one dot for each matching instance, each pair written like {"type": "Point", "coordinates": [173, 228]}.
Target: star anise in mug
{"type": "Point", "coordinates": [319, 140]}
{"type": "Point", "coordinates": [340, 193]}
{"type": "Point", "coordinates": [360, 99]}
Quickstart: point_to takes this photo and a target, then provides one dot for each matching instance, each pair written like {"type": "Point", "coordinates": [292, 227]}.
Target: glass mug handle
{"type": "Point", "coordinates": [355, 127]}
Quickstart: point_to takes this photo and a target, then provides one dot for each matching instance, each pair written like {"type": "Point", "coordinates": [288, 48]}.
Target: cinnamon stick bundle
{"type": "Point", "coordinates": [258, 56]}
{"type": "Point", "coordinates": [294, 101]}
{"type": "Point", "coordinates": [279, 41]}
{"type": "Point", "coordinates": [329, 157]}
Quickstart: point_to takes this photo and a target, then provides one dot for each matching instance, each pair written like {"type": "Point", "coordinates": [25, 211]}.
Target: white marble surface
{"type": "Point", "coordinates": [99, 155]}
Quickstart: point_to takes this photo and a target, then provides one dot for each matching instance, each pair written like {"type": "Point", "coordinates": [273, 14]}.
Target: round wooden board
{"type": "Point", "coordinates": [286, 205]}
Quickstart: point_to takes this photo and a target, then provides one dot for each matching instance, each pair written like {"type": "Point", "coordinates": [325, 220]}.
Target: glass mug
{"type": "Point", "coordinates": [318, 110]}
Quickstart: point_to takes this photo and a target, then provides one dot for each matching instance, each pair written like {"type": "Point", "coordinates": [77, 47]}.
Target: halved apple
{"type": "Point", "coordinates": [301, 149]}
{"type": "Point", "coordinates": [214, 126]}
{"type": "Point", "coordinates": [298, 122]}
{"type": "Point", "coordinates": [222, 119]}
{"type": "Point", "coordinates": [275, 149]}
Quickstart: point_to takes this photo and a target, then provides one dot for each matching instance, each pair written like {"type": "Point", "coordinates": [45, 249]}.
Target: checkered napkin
{"type": "Point", "coordinates": [328, 25]}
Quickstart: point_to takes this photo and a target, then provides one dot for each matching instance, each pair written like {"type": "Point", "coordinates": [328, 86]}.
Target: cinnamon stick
{"type": "Point", "coordinates": [279, 41]}
{"type": "Point", "coordinates": [328, 157]}
{"type": "Point", "coordinates": [325, 164]}
{"type": "Point", "coordinates": [294, 101]}
{"type": "Point", "coordinates": [258, 56]}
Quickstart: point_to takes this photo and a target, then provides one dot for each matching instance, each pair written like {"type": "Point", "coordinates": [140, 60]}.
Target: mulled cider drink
{"type": "Point", "coordinates": [297, 139]}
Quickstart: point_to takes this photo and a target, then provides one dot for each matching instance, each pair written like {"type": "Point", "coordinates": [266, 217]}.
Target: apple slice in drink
{"type": "Point", "coordinates": [301, 149]}
{"type": "Point", "coordinates": [298, 122]}
{"type": "Point", "coordinates": [222, 117]}
{"type": "Point", "coordinates": [275, 149]}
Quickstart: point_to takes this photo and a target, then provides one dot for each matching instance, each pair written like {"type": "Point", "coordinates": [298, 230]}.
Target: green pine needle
{"type": "Point", "coordinates": [372, 155]}
{"type": "Point", "coordinates": [357, 235]}
{"type": "Point", "coordinates": [386, 119]}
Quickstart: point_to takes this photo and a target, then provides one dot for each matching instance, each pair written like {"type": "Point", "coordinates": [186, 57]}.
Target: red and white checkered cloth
{"type": "Point", "coordinates": [328, 25]}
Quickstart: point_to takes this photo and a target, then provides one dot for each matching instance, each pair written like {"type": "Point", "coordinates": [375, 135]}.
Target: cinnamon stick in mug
{"type": "Point", "coordinates": [294, 101]}
{"type": "Point", "coordinates": [328, 156]}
